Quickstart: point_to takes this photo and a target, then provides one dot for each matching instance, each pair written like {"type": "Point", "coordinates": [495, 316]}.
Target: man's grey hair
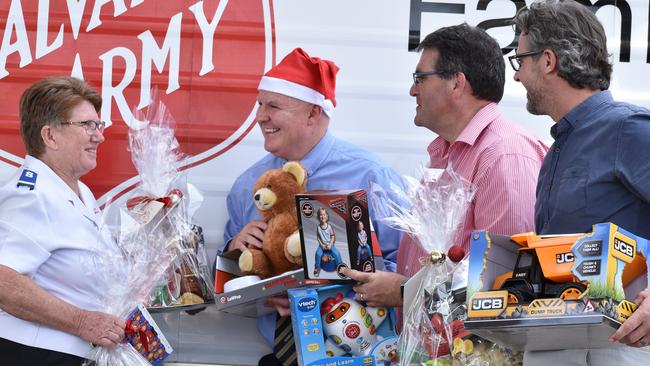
{"type": "Point", "coordinates": [575, 35]}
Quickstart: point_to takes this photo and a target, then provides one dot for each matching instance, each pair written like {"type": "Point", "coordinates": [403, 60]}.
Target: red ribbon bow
{"type": "Point", "coordinates": [168, 201]}
{"type": "Point", "coordinates": [134, 329]}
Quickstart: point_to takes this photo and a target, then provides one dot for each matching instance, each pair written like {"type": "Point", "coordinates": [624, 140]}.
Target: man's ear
{"type": "Point", "coordinates": [49, 137]}
{"type": "Point", "coordinates": [460, 83]}
{"type": "Point", "coordinates": [550, 60]}
{"type": "Point", "coordinates": [315, 113]}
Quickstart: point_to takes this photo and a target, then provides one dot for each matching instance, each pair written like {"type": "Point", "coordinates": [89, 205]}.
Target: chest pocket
{"type": "Point", "coordinates": [571, 191]}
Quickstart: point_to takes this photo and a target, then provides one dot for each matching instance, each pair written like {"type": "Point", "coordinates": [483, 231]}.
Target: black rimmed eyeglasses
{"type": "Point", "coordinates": [515, 60]}
{"type": "Point", "coordinates": [419, 76]}
{"type": "Point", "coordinates": [90, 126]}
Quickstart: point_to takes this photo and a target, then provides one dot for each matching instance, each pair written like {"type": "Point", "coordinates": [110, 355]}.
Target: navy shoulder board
{"type": "Point", "coordinates": [27, 179]}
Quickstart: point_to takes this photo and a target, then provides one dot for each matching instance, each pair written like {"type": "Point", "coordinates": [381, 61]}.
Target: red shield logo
{"type": "Point", "coordinates": [206, 58]}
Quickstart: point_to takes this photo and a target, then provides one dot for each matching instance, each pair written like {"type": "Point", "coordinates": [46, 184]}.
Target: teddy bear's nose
{"type": "Point", "coordinates": [257, 197]}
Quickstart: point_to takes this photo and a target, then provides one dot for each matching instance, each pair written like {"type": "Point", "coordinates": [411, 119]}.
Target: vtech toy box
{"type": "Point", "coordinates": [335, 232]}
{"type": "Point", "coordinates": [331, 328]}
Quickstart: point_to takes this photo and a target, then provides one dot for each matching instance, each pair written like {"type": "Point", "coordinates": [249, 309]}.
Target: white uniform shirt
{"type": "Point", "coordinates": [50, 235]}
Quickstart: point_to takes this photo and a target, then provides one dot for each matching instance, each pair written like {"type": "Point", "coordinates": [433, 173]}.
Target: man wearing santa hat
{"type": "Point", "coordinates": [295, 103]}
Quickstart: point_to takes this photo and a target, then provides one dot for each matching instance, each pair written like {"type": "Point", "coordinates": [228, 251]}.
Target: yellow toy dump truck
{"type": "Point", "coordinates": [542, 270]}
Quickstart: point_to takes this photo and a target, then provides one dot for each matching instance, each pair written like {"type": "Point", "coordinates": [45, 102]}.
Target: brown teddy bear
{"type": "Point", "coordinates": [274, 195]}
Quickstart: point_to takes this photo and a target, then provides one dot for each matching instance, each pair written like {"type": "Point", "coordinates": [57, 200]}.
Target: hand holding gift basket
{"type": "Point", "coordinates": [156, 244]}
{"type": "Point", "coordinates": [434, 301]}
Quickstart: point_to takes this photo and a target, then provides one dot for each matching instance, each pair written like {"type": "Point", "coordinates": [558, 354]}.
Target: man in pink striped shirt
{"type": "Point", "coordinates": [458, 81]}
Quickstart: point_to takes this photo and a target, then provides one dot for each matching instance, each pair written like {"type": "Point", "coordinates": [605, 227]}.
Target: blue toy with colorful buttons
{"type": "Point", "coordinates": [331, 328]}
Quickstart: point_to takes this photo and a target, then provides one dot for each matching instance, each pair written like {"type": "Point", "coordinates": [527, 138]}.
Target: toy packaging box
{"type": "Point", "coordinates": [249, 300]}
{"type": "Point", "coordinates": [145, 336]}
{"type": "Point", "coordinates": [351, 207]}
{"type": "Point", "coordinates": [532, 292]}
{"type": "Point", "coordinates": [331, 328]}
{"type": "Point", "coordinates": [335, 232]}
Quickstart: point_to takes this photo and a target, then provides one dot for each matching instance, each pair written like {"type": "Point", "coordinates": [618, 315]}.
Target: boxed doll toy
{"type": "Point", "coordinates": [554, 292]}
{"type": "Point", "coordinates": [334, 232]}
{"type": "Point", "coordinates": [331, 328]}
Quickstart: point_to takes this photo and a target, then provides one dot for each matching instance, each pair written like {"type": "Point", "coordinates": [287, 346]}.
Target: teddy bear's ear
{"type": "Point", "coordinates": [295, 169]}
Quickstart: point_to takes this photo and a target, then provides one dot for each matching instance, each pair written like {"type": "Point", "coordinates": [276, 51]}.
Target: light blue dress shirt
{"type": "Point", "coordinates": [331, 164]}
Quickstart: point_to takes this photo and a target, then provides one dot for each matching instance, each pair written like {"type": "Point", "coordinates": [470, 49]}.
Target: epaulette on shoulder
{"type": "Point", "coordinates": [27, 179]}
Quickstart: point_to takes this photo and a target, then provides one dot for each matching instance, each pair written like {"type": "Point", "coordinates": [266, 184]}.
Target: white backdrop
{"type": "Point", "coordinates": [368, 40]}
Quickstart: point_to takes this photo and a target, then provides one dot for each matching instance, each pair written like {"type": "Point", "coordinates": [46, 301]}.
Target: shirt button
{"type": "Point", "coordinates": [557, 149]}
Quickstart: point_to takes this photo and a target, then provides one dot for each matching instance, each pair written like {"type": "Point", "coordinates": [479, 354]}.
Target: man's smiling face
{"type": "Point", "coordinates": [284, 122]}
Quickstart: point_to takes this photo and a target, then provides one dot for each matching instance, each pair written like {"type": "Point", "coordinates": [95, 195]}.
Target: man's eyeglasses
{"type": "Point", "coordinates": [90, 126]}
{"type": "Point", "coordinates": [418, 77]}
{"type": "Point", "coordinates": [515, 60]}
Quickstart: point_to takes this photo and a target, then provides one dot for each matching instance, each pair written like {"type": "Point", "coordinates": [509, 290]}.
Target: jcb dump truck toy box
{"type": "Point", "coordinates": [533, 292]}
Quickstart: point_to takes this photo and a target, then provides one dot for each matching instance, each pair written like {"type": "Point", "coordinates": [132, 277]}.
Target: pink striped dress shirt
{"type": "Point", "coordinates": [503, 162]}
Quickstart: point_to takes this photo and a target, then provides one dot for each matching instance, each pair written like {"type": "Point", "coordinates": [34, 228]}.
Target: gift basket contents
{"type": "Point", "coordinates": [165, 202]}
{"type": "Point", "coordinates": [187, 283]}
{"type": "Point", "coordinates": [433, 331]}
{"type": "Point", "coordinates": [158, 259]}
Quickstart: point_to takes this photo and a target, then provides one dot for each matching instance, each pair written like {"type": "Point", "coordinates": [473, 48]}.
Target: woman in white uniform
{"type": "Point", "coordinates": [49, 231]}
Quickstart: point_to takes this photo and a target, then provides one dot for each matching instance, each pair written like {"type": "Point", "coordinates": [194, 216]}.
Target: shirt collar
{"type": "Point", "coordinates": [51, 179]}
{"type": "Point", "coordinates": [85, 203]}
{"type": "Point", "coordinates": [317, 155]}
{"type": "Point", "coordinates": [572, 119]}
{"type": "Point", "coordinates": [438, 148]}
{"type": "Point", "coordinates": [478, 123]}
{"type": "Point", "coordinates": [481, 120]}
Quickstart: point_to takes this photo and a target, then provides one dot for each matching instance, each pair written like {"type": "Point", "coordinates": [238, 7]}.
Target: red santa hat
{"type": "Point", "coordinates": [300, 76]}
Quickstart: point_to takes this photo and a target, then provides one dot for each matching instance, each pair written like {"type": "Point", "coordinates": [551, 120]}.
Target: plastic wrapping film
{"type": "Point", "coordinates": [187, 281]}
{"type": "Point", "coordinates": [433, 331]}
{"type": "Point", "coordinates": [154, 236]}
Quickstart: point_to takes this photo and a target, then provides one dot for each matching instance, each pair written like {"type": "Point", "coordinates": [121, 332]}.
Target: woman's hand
{"type": "Point", "coordinates": [24, 299]}
{"type": "Point", "coordinates": [100, 329]}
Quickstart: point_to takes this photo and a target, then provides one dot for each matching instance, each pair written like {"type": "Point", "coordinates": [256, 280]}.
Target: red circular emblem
{"type": "Point", "coordinates": [352, 331]}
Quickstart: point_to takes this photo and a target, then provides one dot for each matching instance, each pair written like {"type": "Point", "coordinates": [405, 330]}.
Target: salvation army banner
{"type": "Point", "coordinates": [205, 57]}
